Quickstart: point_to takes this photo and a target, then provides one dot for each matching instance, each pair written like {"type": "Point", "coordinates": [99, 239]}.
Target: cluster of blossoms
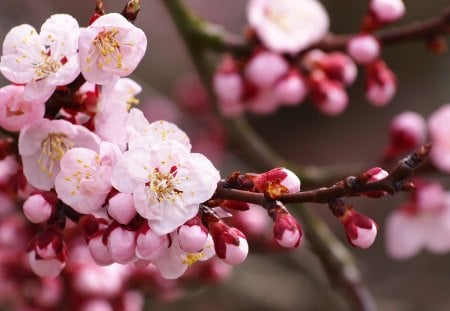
{"type": "Point", "coordinates": [90, 166]}
{"type": "Point", "coordinates": [271, 77]}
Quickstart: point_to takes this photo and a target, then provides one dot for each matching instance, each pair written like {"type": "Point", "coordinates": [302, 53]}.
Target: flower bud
{"type": "Point", "coordinates": [122, 244]}
{"type": "Point", "coordinates": [363, 48]}
{"type": "Point", "coordinates": [387, 11]}
{"type": "Point", "coordinates": [328, 95]}
{"type": "Point", "coordinates": [380, 83]}
{"type": "Point", "coordinates": [230, 243]}
{"type": "Point", "coordinates": [39, 206]}
{"type": "Point", "coordinates": [47, 253]}
{"type": "Point", "coordinates": [192, 236]}
{"type": "Point", "coordinates": [149, 245]}
{"type": "Point", "coordinates": [286, 230]}
{"type": "Point", "coordinates": [265, 68]}
{"type": "Point", "coordinates": [291, 89]}
{"type": "Point", "coordinates": [375, 174]}
{"type": "Point", "coordinates": [227, 81]}
{"type": "Point", "coordinates": [338, 66]}
{"type": "Point", "coordinates": [99, 251]}
{"type": "Point", "coordinates": [277, 181]}
{"type": "Point", "coordinates": [121, 208]}
{"type": "Point", "coordinates": [407, 131]}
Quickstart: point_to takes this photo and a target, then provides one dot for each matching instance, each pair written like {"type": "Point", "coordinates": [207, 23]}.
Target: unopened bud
{"type": "Point", "coordinates": [149, 245]}
{"type": "Point", "coordinates": [39, 206]}
{"type": "Point", "coordinates": [122, 245]}
{"type": "Point", "coordinates": [230, 243]}
{"type": "Point", "coordinates": [276, 182]}
{"type": "Point", "coordinates": [387, 11]}
{"type": "Point", "coordinates": [363, 48]}
{"type": "Point", "coordinates": [291, 89]}
{"type": "Point", "coordinates": [265, 68]}
{"type": "Point", "coordinates": [375, 174]}
{"type": "Point", "coordinates": [192, 236]}
{"type": "Point", "coordinates": [286, 230]}
{"type": "Point", "coordinates": [338, 66]}
{"type": "Point", "coordinates": [329, 96]}
{"type": "Point", "coordinates": [380, 83]}
{"type": "Point", "coordinates": [121, 208]}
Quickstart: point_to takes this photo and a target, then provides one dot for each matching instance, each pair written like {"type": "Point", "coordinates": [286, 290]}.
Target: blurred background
{"type": "Point", "coordinates": [293, 280]}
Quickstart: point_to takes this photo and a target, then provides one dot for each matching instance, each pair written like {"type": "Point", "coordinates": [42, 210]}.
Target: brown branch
{"type": "Point", "coordinates": [217, 38]}
{"type": "Point", "coordinates": [349, 187]}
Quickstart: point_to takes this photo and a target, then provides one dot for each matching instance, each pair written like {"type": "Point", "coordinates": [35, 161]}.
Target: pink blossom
{"type": "Point", "coordinates": [42, 145]}
{"type": "Point", "coordinates": [253, 222]}
{"type": "Point", "coordinates": [264, 102]}
{"type": "Point", "coordinates": [380, 83]}
{"type": "Point", "coordinates": [110, 47]}
{"type": "Point", "coordinates": [168, 183]}
{"type": "Point", "coordinates": [363, 48]}
{"type": "Point", "coordinates": [277, 180]}
{"type": "Point", "coordinates": [84, 180]}
{"type": "Point", "coordinates": [122, 245]}
{"type": "Point", "coordinates": [387, 11]}
{"type": "Point", "coordinates": [42, 61]}
{"type": "Point", "coordinates": [99, 251]}
{"type": "Point", "coordinates": [439, 129]}
{"type": "Point", "coordinates": [45, 267]}
{"type": "Point", "coordinates": [96, 304]}
{"type": "Point", "coordinates": [8, 168]}
{"type": "Point", "coordinates": [142, 134]}
{"type": "Point", "coordinates": [174, 262]}
{"type": "Point", "coordinates": [423, 223]}
{"type": "Point", "coordinates": [114, 102]}
{"type": "Point", "coordinates": [361, 231]}
{"type": "Point", "coordinates": [288, 25]}
{"type": "Point", "coordinates": [15, 112]}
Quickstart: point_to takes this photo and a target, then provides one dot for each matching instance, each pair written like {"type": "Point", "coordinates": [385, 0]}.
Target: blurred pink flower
{"type": "Point", "coordinates": [363, 48]}
{"type": "Point", "coordinates": [288, 25]}
{"type": "Point", "coordinates": [439, 130]}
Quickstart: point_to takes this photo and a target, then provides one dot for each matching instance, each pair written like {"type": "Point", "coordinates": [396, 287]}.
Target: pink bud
{"type": "Point", "coordinates": [387, 11]}
{"type": "Point", "coordinates": [264, 68]}
{"type": "Point", "coordinates": [230, 243]}
{"type": "Point", "coordinates": [407, 131]}
{"type": "Point", "coordinates": [376, 174]}
{"type": "Point", "coordinates": [361, 231]}
{"type": "Point", "coordinates": [227, 81]}
{"type": "Point", "coordinates": [380, 84]}
{"type": "Point", "coordinates": [363, 48]}
{"type": "Point", "coordinates": [429, 196]}
{"type": "Point", "coordinates": [292, 89]}
{"type": "Point", "coordinates": [99, 251]}
{"type": "Point", "coordinates": [121, 208]}
{"type": "Point", "coordinates": [150, 246]}
{"type": "Point", "coordinates": [277, 180]}
{"type": "Point", "coordinates": [97, 304]}
{"type": "Point", "coordinates": [39, 207]}
{"type": "Point", "coordinates": [338, 66]}
{"type": "Point", "coordinates": [122, 245]}
{"type": "Point", "coordinates": [192, 236]}
{"type": "Point", "coordinates": [253, 222]}
{"type": "Point", "coordinates": [286, 230]}
{"type": "Point", "coordinates": [45, 267]}
{"type": "Point", "coordinates": [328, 95]}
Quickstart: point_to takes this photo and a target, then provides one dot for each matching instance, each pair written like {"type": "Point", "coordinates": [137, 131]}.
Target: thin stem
{"type": "Point", "coordinates": [335, 258]}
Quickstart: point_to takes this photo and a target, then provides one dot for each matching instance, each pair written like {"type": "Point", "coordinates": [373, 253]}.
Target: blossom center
{"type": "Point", "coordinates": [108, 46]}
{"type": "Point", "coordinates": [192, 258]}
{"type": "Point", "coordinates": [163, 185]}
{"type": "Point", "coordinates": [53, 149]}
{"type": "Point", "coordinates": [46, 67]}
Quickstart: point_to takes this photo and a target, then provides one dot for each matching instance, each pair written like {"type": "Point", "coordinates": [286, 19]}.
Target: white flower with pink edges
{"type": "Point", "coordinates": [85, 177]}
{"type": "Point", "coordinates": [168, 183]}
{"type": "Point", "coordinates": [288, 26]}
{"type": "Point", "coordinates": [42, 145]}
{"type": "Point", "coordinates": [42, 61]}
{"type": "Point", "coordinates": [109, 48]}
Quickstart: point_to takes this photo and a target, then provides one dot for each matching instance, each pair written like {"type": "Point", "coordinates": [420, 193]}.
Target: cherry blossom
{"type": "Point", "coordinates": [84, 180]}
{"type": "Point", "coordinates": [174, 262]}
{"type": "Point", "coordinates": [42, 61]}
{"type": "Point", "coordinates": [421, 223]}
{"type": "Point", "coordinates": [15, 112]}
{"type": "Point", "coordinates": [363, 48]}
{"type": "Point", "coordinates": [288, 25]}
{"type": "Point", "coordinates": [110, 47]}
{"type": "Point", "coordinates": [114, 102]}
{"type": "Point", "coordinates": [387, 11]}
{"type": "Point", "coordinates": [42, 145]}
{"type": "Point", "coordinates": [168, 183]}
{"type": "Point", "coordinates": [439, 129]}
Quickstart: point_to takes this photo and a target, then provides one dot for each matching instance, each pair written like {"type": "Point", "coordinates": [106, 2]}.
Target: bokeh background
{"type": "Point", "coordinates": [295, 280]}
